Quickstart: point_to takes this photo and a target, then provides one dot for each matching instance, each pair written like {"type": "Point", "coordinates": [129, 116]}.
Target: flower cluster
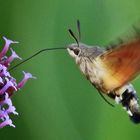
{"type": "Point", "coordinates": [8, 84]}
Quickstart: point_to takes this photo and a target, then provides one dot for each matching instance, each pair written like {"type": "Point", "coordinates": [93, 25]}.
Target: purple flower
{"type": "Point", "coordinates": [8, 85]}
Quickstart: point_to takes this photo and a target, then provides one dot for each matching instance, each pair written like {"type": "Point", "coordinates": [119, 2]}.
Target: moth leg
{"type": "Point", "coordinates": [101, 94]}
{"type": "Point", "coordinates": [105, 99]}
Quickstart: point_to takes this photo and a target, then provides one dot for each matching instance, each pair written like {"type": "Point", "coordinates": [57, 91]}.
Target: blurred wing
{"type": "Point", "coordinates": [120, 64]}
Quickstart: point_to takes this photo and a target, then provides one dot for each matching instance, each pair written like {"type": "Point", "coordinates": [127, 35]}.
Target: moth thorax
{"type": "Point", "coordinates": [89, 70]}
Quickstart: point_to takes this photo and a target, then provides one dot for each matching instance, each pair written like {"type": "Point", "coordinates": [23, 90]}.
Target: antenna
{"type": "Point", "coordinates": [79, 30]}
{"type": "Point", "coordinates": [79, 33]}
{"type": "Point", "coordinates": [74, 36]}
{"type": "Point", "coordinates": [37, 53]}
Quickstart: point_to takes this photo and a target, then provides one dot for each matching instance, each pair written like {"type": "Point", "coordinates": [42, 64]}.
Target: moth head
{"type": "Point", "coordinates": [82, 50]}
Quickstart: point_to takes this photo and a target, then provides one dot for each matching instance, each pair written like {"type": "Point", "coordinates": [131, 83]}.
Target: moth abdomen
{"type": "Point", "coordinates": [129, 101]}
{"type": "Point", "coordinates": [135, 118]}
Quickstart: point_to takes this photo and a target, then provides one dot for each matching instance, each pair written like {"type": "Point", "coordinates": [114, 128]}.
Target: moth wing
{"type": "Point", "coordinates": [120, 65]}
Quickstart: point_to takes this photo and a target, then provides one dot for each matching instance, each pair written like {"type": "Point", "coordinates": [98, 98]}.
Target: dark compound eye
{"type": "Point", "coordinates": [76, 51]}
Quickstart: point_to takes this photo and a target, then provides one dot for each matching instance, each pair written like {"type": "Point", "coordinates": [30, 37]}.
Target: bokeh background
{"type": "Point", "coordinates": [61, 104]}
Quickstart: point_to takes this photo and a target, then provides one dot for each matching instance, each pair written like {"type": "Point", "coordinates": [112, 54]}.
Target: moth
{"type": "Point", "coordinates": [109, 70]}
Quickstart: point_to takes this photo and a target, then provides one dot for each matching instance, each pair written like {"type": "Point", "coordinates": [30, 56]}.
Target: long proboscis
{"type": "Point", "coordinates": [37, 53]}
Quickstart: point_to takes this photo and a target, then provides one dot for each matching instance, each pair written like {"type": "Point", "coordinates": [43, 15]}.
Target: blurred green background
{"type": "Point", "coordinates": [61, 104]}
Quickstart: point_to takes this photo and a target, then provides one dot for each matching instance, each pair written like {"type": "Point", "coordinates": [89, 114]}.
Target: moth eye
{"type": "Point", "coordinates": [76, 51]}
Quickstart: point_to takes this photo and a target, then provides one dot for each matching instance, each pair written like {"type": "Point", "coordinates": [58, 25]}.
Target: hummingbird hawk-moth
{"type": "Point", "coordinates": [109, 70]}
